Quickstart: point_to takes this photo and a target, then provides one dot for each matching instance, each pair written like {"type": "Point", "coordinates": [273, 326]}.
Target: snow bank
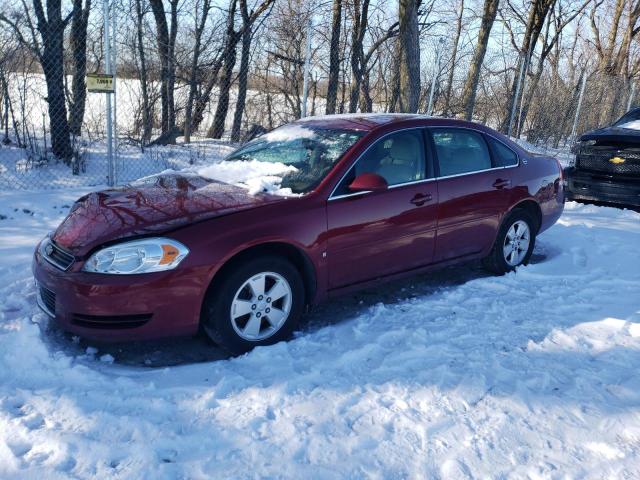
{"type": "Point", "coordinates": [451, 375]}
{"type": "Point", "coordinates": [562, 154]}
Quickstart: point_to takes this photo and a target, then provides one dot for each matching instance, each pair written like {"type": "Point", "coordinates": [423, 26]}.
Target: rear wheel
{"type": "Point", "coordinates": [514, 244]}
{"type": "Point", "coordinates": [259, 302]}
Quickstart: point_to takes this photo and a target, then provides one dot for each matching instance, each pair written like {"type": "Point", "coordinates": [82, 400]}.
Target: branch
{"type": "Point", "coordinates": [21, 39]}
{"type": "Point", "coordinates": [392, 31]}
{"type": "Point", "coordinates": [594, 27]}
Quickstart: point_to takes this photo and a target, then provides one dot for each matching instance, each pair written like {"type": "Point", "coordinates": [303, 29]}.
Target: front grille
{"type": "Point", "coordinates": [56, 255]}
{"type": "Point", "coordinates": [110, 322]}
{"type": "Point", "coordinates": [48, 299]}
{"type": "Point", "coordinates": [597, 159]}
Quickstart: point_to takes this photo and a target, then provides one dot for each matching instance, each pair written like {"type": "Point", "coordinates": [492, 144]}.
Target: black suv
{"type": "Point", "coordinates": [607, 166]}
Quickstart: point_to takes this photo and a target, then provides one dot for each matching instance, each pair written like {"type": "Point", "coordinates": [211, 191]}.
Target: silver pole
{"type": "Point", "coordinates": [307, 64]}
{"type": "Point", "coordinates": [115, 97]}
{"type": "Point", "coordinates": [107, 69]}
{"type": "Point", "coordinates": [577, 116]}
{"type": "Point", "coordinates": [524, 89]}
{"type": "Point", "coordinates": [435, 75]}
{"type": "Point", "coordinates": [631, 95]}
{"type": "Point", "coordinates": [515, 98]}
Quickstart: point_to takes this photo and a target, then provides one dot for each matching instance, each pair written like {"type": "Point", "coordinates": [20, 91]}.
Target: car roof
{"type": "Point", "coordinates": [359, 121]}
{"type": "Point", "coordinates": [372, 121]}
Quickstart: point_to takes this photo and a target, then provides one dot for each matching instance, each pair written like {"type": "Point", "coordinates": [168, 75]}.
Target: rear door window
{"type": "Point", "coordinates": [460, 151]}
{"type": "Point", "coordinates": [503, 155]}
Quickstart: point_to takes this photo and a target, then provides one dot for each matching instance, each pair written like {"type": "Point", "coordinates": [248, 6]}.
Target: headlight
{"type": "Point", "coordinates": [138, 256]}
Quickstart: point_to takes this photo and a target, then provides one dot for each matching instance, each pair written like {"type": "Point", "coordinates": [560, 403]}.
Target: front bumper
{"type": "Point", "coordinates": [590, 186]}
{"type": "Point", "coordinates": [114, 308]}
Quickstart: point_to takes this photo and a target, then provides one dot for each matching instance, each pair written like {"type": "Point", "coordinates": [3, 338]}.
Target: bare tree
{"type": "Point", "coordinates": [228, 60]}
{"type": "Point", "coordinates": [614, 54]}
{"type": "Point", "coordinates": [195, 66]}
{"type": "Point", "coordinates": [473, 74]}
{"type": "Point", "coordinates": [409, 64]}
{"type": "Point", "coordinates": [166, 32]}
{"type": "Point", "coordinates": [243, 74]}
{"type": "Point", "coordinates": [334, 57]}
{"type": "Point", "coordinates": [536, 18]}
{"type": "Point", "coordinates": [454, 58]}
{"type": "Point", "coordinates": [78, 40]}
{"type": "Point", "coordinates": [51, 26]}
{"type": "Point", "coordinates": [143, 74]}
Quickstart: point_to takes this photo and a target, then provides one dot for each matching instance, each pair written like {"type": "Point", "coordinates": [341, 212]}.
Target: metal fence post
{"type": "Point", "coordinates": [524, 89]}
{"type": "Point", "coordinates": [577, 116]}
{"type": "Point", "coordinates": [514, 105]}
{"type": "Point", "coordinates": [435, 75]}
{"type": "Point", "coordinates": [107, 67]}
{"type": "Point", "coordinates": [307, 64]}
{"type": "Point", "coordinates": [115, 98]}
{"type": "Point", "coordinates": [631, 95]}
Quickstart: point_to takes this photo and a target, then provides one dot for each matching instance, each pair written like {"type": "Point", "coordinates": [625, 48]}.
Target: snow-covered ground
{"type": "Point", "coordinates": [455, 374]}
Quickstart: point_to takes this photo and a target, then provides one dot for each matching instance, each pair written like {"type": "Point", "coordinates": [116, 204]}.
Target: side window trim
{"type": "Point", "coordinates": [489, 148]}
{"type": "Point", "coordinates": [426, 154]}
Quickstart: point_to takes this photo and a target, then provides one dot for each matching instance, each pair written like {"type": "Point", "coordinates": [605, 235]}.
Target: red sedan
{"type": "Point", "coordinates": [374, 197]}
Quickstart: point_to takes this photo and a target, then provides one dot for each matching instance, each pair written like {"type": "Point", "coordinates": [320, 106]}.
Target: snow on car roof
{"type": "Point", "coordinates": [358, 121]}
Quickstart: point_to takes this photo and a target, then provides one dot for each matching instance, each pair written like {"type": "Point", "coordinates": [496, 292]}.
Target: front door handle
{"type": "Point", "coordinates": [421, 198]}
{"type": "Point", "coordinates": [500, 183]}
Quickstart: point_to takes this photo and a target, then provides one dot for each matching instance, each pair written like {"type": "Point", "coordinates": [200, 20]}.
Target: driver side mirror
{"type": "Point", "coordinates": [368, 182]}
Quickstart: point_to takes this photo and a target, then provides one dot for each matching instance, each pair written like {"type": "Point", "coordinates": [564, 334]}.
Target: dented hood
{"type": "Point", "coordinates": [150, 206]}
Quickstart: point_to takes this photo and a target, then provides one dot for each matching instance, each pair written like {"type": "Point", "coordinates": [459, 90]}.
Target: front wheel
{"type": "Point", "coordinates": [514, 244]}
{"type": "Point", "coordinates": [259, 302]}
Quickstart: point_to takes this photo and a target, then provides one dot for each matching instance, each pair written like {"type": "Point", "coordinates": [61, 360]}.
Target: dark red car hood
{"type": "Point", "coordinates": [150, 206]}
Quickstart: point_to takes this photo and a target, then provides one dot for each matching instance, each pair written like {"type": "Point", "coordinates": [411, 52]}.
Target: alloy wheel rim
{"type": "Point", "coordinates": [516, 243]}
{"type": "Point", "coordinates": [261, 306]}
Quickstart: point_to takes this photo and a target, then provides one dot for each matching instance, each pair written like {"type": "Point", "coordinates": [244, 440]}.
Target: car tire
{"type": "Point", "coordinates": [238, 318]}
{"type": "Point", "coordinates": [511, 251]}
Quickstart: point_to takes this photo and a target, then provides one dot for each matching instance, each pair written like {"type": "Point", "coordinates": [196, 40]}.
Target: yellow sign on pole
{"type": "Point", "coordinates": [101, 83]}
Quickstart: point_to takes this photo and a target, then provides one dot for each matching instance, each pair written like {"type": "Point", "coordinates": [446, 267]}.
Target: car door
{"type": "Point", "coordinates": [373, 234]}
{"type": "Point", "coordinates": [473, 193]}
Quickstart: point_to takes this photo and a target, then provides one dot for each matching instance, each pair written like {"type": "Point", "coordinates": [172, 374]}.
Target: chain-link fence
{"type": "Point", "coordinates": [194, 78]}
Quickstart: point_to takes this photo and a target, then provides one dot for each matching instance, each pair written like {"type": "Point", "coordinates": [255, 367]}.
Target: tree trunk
{"type": "Point", "coordinates": [146, 106]}
{"type": "Point", "coordinates": [193, 73]}
{"type": "Point", "coordinates": [471, 83]}
{"type": "Point", "coordinates": [366, 102]}
{"type": "Point", "coordinates": [217, 127]}
{"type": "Point", "coordinates": [454, 55]}
{"type": "Point", "coordinates": [51, 28]}
{"type": "Point", "coordinates": [334, 58]}
{"type": "Point", "coordinates": [358, 62]}
{"type": "Point", "coordinates": [165, 38]}
{"type": "Point", "coordinates": [242, 85]}
{"type": "Point", "coordinates": [409, 95]}
{"type": "Point", "coordinates": [78, 41]}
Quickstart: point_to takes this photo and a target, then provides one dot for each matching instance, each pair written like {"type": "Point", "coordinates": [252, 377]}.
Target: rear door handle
{"type": "Point", "coordinates": [421, 198]}
{"type": "Point", "coordinates": [500, 183]}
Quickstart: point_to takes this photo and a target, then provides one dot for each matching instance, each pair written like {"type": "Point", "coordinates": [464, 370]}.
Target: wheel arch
{"type": "Point", "coordinates": [532, 207]}
{"type": "Point", "coordinates": [298, 258]}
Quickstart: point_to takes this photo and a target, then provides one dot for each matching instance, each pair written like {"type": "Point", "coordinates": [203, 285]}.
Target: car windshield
{"type": "Point", "coordinates": [310, 150]}
{"type": "Point", "coordinates": [629, 120]}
